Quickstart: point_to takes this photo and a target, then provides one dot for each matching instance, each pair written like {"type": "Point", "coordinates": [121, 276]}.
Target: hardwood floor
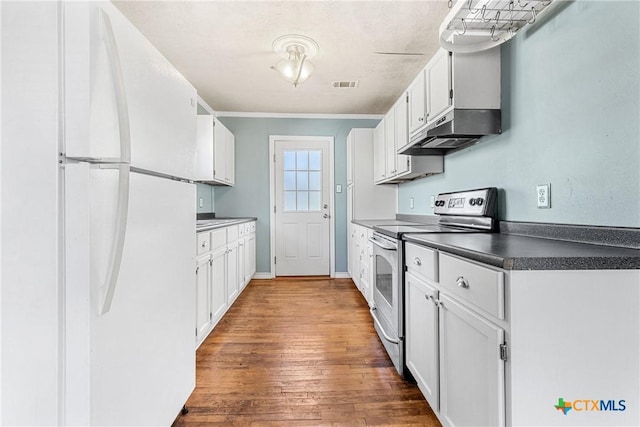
{"type": "Point", "coordinates": [300, 352]}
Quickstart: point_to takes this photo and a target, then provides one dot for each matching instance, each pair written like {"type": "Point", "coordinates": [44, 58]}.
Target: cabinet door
{"type": "Point", "coordinates": [417, 107]}
{"type": "Point", "coordinates": [241, 267]}
{"type": "Point", "coordinates": [218, 283]}
{"type": "Point", "coordinates": [230, 153]}
{"type": "Point", "coordinates": [471, 370]}
{"type": "Point", "coordinates": [252, 255]}
{"type": "Point", "coordinates": [232, 272]}
{"type": "Point", "coordinates": [438, 85]}
{"type": "Point", "coordinates": [422, 337]}
{"type": "Point", "coordinates": [203, 298]}
{"type": "Point", "coordinates": [219, 148]}
{"type": "Point", "coordinates": [248, 241]}
{"type": "Point", "coordinates": [370, 290]}
{"type": "Point", "coordinates": [390, 143]}
{"type": "Point", "coordinates": [402, 136]}
{"type": "Point", "coordinates": [379, 154]}
{"type": "Point", "coordinates": [204, 153]}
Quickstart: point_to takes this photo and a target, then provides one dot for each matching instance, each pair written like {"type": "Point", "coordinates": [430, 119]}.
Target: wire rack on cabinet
{"type": "Point", "coordinates": [475, 25]}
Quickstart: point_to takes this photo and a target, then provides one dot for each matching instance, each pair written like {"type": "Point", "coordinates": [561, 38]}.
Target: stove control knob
{"type": "Point", "coordinates": [472, 202]}
{"type": "Point", "coordinates": [479, 201]}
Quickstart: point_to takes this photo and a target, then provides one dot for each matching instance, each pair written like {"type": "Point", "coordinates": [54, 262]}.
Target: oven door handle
{"type": "Point", "coordinates": [384, 334]}
{"type": "Point", "coordinates": [385, 247]}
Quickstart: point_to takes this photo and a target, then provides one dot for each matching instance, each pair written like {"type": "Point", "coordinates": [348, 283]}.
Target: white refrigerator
{"type": "Point", "coordinates": [124, 304]}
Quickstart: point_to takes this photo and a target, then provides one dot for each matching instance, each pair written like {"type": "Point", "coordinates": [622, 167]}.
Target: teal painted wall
{"type": "Point", "coordinates": [206, 194]}
{"type": "Point", "coordinates": [250, 195]}
{"type": "Point", "coordinates": [571, 117]}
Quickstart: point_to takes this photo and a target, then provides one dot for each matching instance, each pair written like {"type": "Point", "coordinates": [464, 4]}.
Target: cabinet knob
{"type": "Point", "coordinates": [417, 261]}
{"type": "Point", "coordinates": [462, 282]}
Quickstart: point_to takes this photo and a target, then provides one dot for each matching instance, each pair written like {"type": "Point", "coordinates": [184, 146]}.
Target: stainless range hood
{"type": "Point", "coordinates": [456, 129]}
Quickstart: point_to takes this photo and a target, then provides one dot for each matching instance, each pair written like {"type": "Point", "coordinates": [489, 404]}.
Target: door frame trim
{"type": "Point", "coordinates": [272, 197]}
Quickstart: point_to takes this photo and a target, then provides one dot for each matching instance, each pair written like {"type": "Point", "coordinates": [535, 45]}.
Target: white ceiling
{"type": "Point", "coordinates": [224, 48]}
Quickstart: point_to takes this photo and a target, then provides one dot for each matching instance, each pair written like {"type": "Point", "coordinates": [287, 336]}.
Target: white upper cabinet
{"type": "Point", "coordinates": [391, 167]}
{"type": "Point", "coordinates": [417, 103]}
{"type": "Point", "coordinates": [438, 89]}
{"type": "Point", "coordinates": [379, 154]}
{"type": "Point", "coordinates": [390, 142]}
{"type": "Point", "coordinates": [215, 160]}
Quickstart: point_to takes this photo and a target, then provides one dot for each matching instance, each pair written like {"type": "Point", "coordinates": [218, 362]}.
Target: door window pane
{"type": "Point", "coordinates": [302, 180]}
{"type": "Point", "coordinates": [289, 160]}
{"type": "Point", "coordinates": [315, 160]}
{"type": "Point", "coordinates": [315, 180]}
{"type": "Point", "coordinates": [289, 180]}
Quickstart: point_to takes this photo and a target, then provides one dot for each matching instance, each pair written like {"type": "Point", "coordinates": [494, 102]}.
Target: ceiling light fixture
{"type": "Point", "coordinates": [296, 49]}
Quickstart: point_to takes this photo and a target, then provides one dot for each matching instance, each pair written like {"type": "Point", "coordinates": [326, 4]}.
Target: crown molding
{"type": "Point", "coordinates": [299, 115]}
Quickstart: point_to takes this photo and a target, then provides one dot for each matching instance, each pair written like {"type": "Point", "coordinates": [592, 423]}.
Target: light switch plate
{"type": "Point", "coordinates": [543, 194]}
{"type": "Point", "coordinates": [338, 188]}
{"type": "Point", "coordinates": [432, 201]}
{"type": "Point", "coordinates": [411, 203]}
{"type": "Point", "coordinates": [201, 202]}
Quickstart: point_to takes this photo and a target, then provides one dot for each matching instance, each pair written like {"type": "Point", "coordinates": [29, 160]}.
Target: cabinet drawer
{"type": "Point", "coordinates": [247, 227]}
{"type": "Point", "coordinates": [475, 284]}
{"type": "Point", "coordinates": [242, 230]}
{"type": "Point", "coordinates": [232, 233]}
{"type": "Point", "coordinates": [252, 226]}
{"type": "Point", "coordinates": [218, 238]}
{"type": "Point", "coordinates": [203, 243]}
{"type": "Point", "coordinates": [422, 261]}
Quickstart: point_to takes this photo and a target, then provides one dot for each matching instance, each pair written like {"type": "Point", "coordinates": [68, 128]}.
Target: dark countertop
{"type": "Point", "coordinates": [514, 252]}
{"type": "Point", "coordinates": [370, 223]}
{"type": "Point", "coordinates": [212, 224]}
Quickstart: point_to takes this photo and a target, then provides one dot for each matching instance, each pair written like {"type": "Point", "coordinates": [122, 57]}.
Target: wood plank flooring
{"type": "Point", "coordinates": [300, 352]}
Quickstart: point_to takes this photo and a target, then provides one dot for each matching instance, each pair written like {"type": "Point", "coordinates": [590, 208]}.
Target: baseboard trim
{"type": "Point", "coordinates": [262, 276]}
{"type": "Point", "coordinates": [341, 275]}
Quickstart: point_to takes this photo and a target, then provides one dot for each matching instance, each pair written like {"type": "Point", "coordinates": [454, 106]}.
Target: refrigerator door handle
{"type": "Point", "coordinates": [120, 93]}
{"type": "Point", "coordinates": [115, 257]}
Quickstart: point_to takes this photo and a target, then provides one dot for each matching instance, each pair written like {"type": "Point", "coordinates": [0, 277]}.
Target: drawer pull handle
{"type": "Point", "coordinates": [417, 261]}
{"type": "Point", "coordinates": [462, 282]}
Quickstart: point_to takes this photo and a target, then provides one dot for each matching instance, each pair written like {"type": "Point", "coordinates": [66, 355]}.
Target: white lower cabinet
{"type": "Point", "coordinates": [203, 299]}
{"type": "Point", "coordinates": [421, 337]}
{"type": "Point", "coordinates": [471, 370]}
{"type": "Point", "coordinates": [452, 350]}
{"type": "Point", "coordinates": [218, 285]}
{"type": "Point", "coordinates": [483, 344]}
{"type": "Point", "coordinates": [225, 265]}
{"type": "Point", "coordinates": [360, 263]}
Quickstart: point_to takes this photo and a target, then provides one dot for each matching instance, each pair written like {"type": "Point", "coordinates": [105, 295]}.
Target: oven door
{"type": "Point", "coordinates": [386, 295]}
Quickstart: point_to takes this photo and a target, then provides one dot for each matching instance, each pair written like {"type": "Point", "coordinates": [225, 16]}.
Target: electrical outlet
{"type": "Point", "coordinates": [201, 202]}
{"type": "Point", "coordinates": [411, 203]}
{"type": "Point", "coordinates": [432, 201]}
{"type": "Point", "coordinates": [543, 193]}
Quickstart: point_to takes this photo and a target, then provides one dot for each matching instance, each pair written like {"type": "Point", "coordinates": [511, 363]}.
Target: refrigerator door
{"type": "Point", "coordinates": [160, 103]}
{"type": "Point", "coordinates": [135, 364]}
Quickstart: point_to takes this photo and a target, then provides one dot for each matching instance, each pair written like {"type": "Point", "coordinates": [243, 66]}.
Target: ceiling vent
{"type": "Point", "coordinates": [345, 84]}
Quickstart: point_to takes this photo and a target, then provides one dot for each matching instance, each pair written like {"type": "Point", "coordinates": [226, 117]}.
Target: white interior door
{"type": "Point", "coordinates": [302, 208]}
